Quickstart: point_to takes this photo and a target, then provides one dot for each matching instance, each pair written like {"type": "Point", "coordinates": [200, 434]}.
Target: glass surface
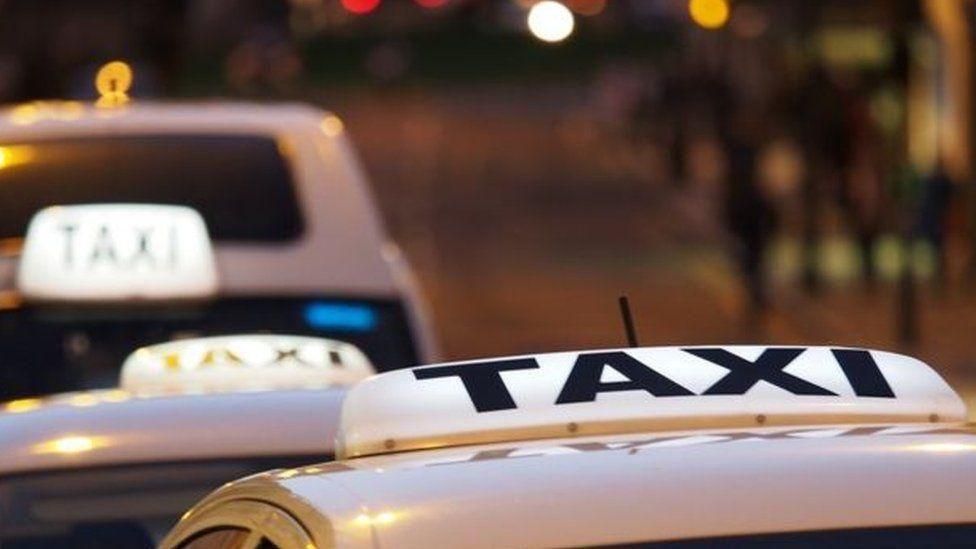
{"type": "Point", "coordinates": [61, 348]}
{"type": "Point", "coordinates": [219, 538]}
{"type": "Point", "coordinates": [130, 506]}
{"type": "Point", "coordinates": [240, 184]}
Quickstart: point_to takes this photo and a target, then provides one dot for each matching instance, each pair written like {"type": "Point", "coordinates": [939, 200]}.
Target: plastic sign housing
{"type": "Point", "coordinates": [649, 389]}
{"type": "Point", "coordinates": [114, 252]}
{"type": "Point", "coordinates": [244, 362]}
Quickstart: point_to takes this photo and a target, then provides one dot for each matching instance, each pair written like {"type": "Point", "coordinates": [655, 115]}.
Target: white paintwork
{"type": "Point", "coordinates": [692, 480]}
{"type": "Point", "coordinates": [584, 492]}
{"type": "Point", "coordinates": [241, 362]}
{"type": "Point", "coordinates": [127, 428]}
{"type": "Point", "coordinates": [344, 249]}
{"type": "Point", "coordinates": [110, 252]}
{"type": "Point", "coordinates": [396, 411]}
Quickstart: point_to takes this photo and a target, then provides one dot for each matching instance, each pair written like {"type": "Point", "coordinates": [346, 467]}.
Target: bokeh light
{"type": "Point", "coordinates": [71, 444]}
{"type": "Point", "coordinates": [587, 8]}
{"type": "Point", "coordinates": [431, 4]}
{"type": "Point", "coordinates": [22, 405]}
{"type": "Point", "coordinates": [550, 21]}
{"type": "Point", "coordinates": [113, 81]}
{"type": "Point", "coordinates": [360, 7]}
{"type": "Point", "coordinates": [331, 126]}
{"type": "Point", "coordinates": [709, 14]}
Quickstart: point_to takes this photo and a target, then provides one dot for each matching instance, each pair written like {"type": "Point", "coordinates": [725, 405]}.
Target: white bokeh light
{"type": "Point", "coordinates": [550, 21]}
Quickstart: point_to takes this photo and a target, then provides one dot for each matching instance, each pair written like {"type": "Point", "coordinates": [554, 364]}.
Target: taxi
{"type": "Point", "coordinates": [670, 446]}
{"type": "Point", "coordinates": [297, 242]}
{"type": "Point", "coordinates": [117, 467]}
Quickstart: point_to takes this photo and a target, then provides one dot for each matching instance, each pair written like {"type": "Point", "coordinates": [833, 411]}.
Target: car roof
{"type": "Point", "coordinates": [38, 118]}
{"type": "Point", "coordinates": [644, 487]}
{"type": "Point", "coordinates": [117, 427]}
{"type": "Point", "coordinates": [344, 249]}
{"type": "Point", "coordinates": [328, 181]}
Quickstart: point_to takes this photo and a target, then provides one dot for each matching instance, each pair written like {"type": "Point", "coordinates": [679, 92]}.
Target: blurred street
{"type": "Point", "coordinates": [246, 236]}
{"type": "Point", "coordinates": [524, 233]}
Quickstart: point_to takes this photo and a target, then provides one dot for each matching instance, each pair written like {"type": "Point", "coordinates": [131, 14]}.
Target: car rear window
{"type": "Point", "coordinates": [58, 348]}
{"type": "Point", "coordinates": [130, 505]}
{"type": "Point", "coordinates": [241, 184]}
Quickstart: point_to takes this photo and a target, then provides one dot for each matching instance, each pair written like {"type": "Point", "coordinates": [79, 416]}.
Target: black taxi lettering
{"type": "Point", "coordinates": [488, 393]}
{"type": "Point", "coordinates": [584, 382]}
{"type": "Point", "coordinates": [482, 380]}
{"type": "Point", "coordinates": [743, 374]}
{"type": "Point", "coordinates": [863, 373]}
{"type": "Point", "coordinates": [104, 248]}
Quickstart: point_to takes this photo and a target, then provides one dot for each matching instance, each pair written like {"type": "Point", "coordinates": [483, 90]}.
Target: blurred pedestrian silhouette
{"type": "Point", "coordinates": [826, 145]}
{"type": "Point", "coordinates": [861, 193]}
{"type": "Point", "coordinates": [749, 214]}
{"type": "Point", "coordinates": [933, 209]}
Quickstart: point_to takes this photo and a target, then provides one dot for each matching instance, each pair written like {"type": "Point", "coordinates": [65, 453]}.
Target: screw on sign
{"type": "Point", "coordinates": [113, 81]}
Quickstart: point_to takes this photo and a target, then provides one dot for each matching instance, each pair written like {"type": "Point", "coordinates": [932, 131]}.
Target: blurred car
{"type": "Point", "coordinates": [117, 467]}
{"type": "Point", "coordinates": [298, 242]}
{"type": "Point", "coordinates": [687, 447]}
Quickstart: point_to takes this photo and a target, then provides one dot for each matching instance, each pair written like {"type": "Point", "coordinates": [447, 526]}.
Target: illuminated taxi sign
{"type": "Point", "coordinates": [244, 362]}
{"type": "Point", "coordinates": [638, 390]}
{"type": "Point", "coordinates": [112, 252]}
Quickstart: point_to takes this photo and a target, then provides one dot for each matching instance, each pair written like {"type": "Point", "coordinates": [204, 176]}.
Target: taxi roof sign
{"type": "Point", "coordinates": [243, 362]}
{"type": "Point", "coordinates": [558, 395]}
{"type": "Point", "coordinates": [110, 252]}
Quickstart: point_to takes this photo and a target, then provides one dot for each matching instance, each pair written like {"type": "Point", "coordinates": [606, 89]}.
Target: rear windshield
{"type": "Point", "coordinates": [240, 184]}
{"type": "Point", "coordinates": [58, 348]}
{"type": "Point", "coordinates": [128, 506]}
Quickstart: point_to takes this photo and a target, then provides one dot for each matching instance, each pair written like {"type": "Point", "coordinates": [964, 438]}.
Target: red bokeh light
{"type": "Point", "coordinates": [360, 6]}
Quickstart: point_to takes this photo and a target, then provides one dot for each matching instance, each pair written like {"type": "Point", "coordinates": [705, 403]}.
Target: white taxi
{"type": "Point", "coordinates": [117, 467]}
{"type": "Point", "coordinates": [682, 447]}
{"type": "Point", "coordinates": [298, 243]}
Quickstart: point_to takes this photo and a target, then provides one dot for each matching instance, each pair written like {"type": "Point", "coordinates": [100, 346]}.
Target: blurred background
{"type": "Point", "coordinates": [779, 171]}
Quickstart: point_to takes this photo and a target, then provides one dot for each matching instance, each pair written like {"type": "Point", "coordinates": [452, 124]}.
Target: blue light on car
{"type": "Point", "coordinates": [324, 315]}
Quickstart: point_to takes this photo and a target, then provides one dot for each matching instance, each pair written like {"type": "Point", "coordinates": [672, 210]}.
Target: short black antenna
{"type": "Point", "coordinates": [628, 321]}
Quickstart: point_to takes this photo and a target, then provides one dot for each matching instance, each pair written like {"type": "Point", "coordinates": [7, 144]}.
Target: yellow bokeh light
{"type": "Point", "coordinates": [550, 21]}
{"type": "Point", "coordinates": [15, 155]}
{"type": "Point", "coordinates": [22, 405]}
{"type": "Point", "coordinates": [25, 114]}
{"type": "Point", "coordinates": [67, 110]}
{"type": "Point", "coordinates": [83, 400]}
{"type": "Point", "coordinates": [709, 14]}
{"type": "Point", "coordinates": [115, 395]}
{"type": "Point", "coordinates": [29, 113]}
{"type": "Point", "coordinates": [332, 126]}
{"type": "Point", "coordinates": [113, 81]}
{"type": "Point", "coordinates": [385, 517]}
{"type": "Point", "coordinates": [944, 447]}
{"type": "Point", "coordinates": [72, 444]}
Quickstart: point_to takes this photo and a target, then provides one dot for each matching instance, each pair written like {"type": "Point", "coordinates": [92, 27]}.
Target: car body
{"type": "Point", "coordinates": [117, 467]}
{"type": "Point", "coordinates": [759, 446]}
{"type": "Point", "coordinates": [298, 242]}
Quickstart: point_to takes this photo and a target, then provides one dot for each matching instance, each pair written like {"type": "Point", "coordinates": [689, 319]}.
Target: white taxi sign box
{"type": "Point", "coordinates": [636, 390]}
{"type": "Point", "coordinates": [242, 363]}
{"type": "Point", "coordinates": [114, 252]}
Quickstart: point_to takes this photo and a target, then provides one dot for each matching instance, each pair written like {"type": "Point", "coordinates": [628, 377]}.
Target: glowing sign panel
{"type": "Point", "coordinates": [649, 389]}
{"type": "Point", "coordinates": [116, 252]}
{"type": "Point", "coordinates": [244, 362]}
